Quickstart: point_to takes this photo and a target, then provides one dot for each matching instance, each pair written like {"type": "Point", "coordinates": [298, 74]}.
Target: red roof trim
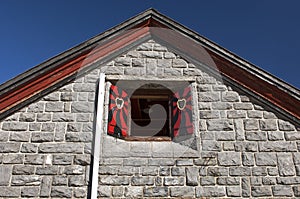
{"type": "Point", "coordinates": [44, 81]}
{"type": "Point", "coordinates": [182, 40]}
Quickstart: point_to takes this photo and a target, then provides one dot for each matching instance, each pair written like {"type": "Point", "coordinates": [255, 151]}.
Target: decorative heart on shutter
{"type": "Point", "coordinates": [119, 102]}
{"type": "Point", "coordinates": [181, 104]}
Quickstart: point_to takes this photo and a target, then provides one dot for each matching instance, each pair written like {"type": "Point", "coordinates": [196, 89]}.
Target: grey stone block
{"type": "Point", "coordinates": [255, 181]}
{"type": "Point", "coordinates": [35, 126]}
{"type": "Point", "coordinates": [236, 114]}
{"type": "Point", "coordinates": [155, 192]}
{"type": "Point", "coordinates": [22, 170]}
{"type": "Point", "coordinates": [27, 117]}
{"type": "Point", "coordinates": [76, 181]}
{"type": "Point", "coordinates": [285, 126]}
{"type": "Point", "coordinates": [61, 148]}
{"type": "Point", "coordinates": [42, 137]}
{"type": "Point", "coordinates": [79, 193]}
{"type": "Point", "coordinates": [275, 136]}
{"type": "Point", "coordinates": [36, 107]}
{"type": "Point", "coordinates": [207, 181]}
{"type": "Point", "coordinates": [208, 96]}
{"type": "Point", "coordinates": [182, 192]}
{"type": "Point", "coordinates": [10, 147]}
{"type": "Point", "coordinates": [135, 162]}
{"type": "Point", "coordinates": [288, 180]}
{"type": "Point", "coordinates": [229, 159]}
{"type": "Point", "coordinates": [49, 127]}
{"type": "Point", "coordinates": [221, 105]}
{"type": "Point", "coordinates": [209, 114]}
{"type": "Point", "coordinates": [228, 181]}
{"type": "Point", "coordinates": [149, 171]}
{"type": "Point", "coordinates": [63, 117]}
{"type": "Point", "coordinates": [117, 191]}
{"type": "Point", "coordinates": [261, 191]}
{"type": "Point", "coordinates": [208, 145]}
{"type": "Point", "coordinates": [251, 124]}
{"type": "Point", "coordinates": [287, 146]}
{"type": "Point", "coordinates": [5, 173]}
{"type": "Point", "coordinates": [246, 192]}
{"type": "Point", "coordinates": [219, 125]}
{"type": "Point", "coordinates": [234, 191]}
{"type": "Point", "coordinates": [74, 127]}
{"type": "Point", "coordinates": [26, 180]}
{"type": "Point", "coordinates": [30, 192]}
{"type": "Point", "coordinates": [225, 136]}
{"type": "Point", "coordinates": [4, 136]}
{"type": "Point", "coordinates": [48, 170]}
{"type": "Point", "coordinates": [217, 171]}
{"type": "Point", "coordinates": [13, 158]}
{"type": "Point", "coordinates": [259, 171]}
{"type": "Point", "coordinates": [292, 136]}
{"type": "Point", "coordinates": [266, 159]}
{"type": "Point", "coordinates": [282, 190]}
{"type": "Point", "coordinates": [173, 181]}
{"type": "Point", "coordinates": [268, 125]}
{"type": "Point", "coordinates": [191, 176]}
{"type": "Point", "coordinates": [239, 171]}
{"type": "Point", "coordinates": [286, 165]}
{"type": "Point", "coordinates": [14, 126]}
{"type": "Point", "coordinates": [82, 107]}
{"type": "Point", "coordinates": [269, 180]}
{"type": "Point", "coordinates": [184, 162]}
{"type": "Point", "coordinates": [114, 180]}
{"type": "Point", "coordinates": [255, 114]}
{"type": "Point", "coordinates": [256, 136]}
{"type": "Point", "coordinates": [164, 171]}
{"type": "Point", "coordinates": [210, 192]}
{"type": "Point", "coordinates": [28, 148]}
{"type": "Point", "coordinates": [127, 170]}
{"type": "Point", "coordinates": [74, 170]}
{"type": "Point", "coordinates": [205, 162]}
{"type": "Point", "coordinates": [230, 96]}
{"type": "Point", "coordinates": [83, 159]}
{"type": "Point", "coordinates": [34, 159]}
{"type": "Point", "coordinates": [61, 192]}
{"type": "Point", "coordinates": [60, 180]}
{"type": "Point", "coordinates": [296, 190]}
{"type": "Point", "coordinates": [13, 192]}
{"type": "Point", "coordinates": [178, 171]}
{"type": "Point", "coordinates": [169, 55]}
{"type": "Point", "coordinates": [133, 192]}
{"type": "Point", "coordinates": [78, 137]}
{"type": "Point", "coordinates": [62, 159]}
{"type": "Point", "coordinates": [272, 171]}
{"type": "Point", "coordinates": [248, 159]}
{"type": "Point", "coordinates": [243, 106]}
{"type": "Point", "coordinates": [54, 106]}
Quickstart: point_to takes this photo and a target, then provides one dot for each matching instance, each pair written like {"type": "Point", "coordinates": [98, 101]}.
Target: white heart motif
{"type": "Point", "coordinates": [119, 103]}
{"type": "Point", "coordinates": [181, 103]}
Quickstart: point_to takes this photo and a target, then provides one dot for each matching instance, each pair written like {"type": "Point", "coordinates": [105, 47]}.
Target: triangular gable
{"type": "Point", "coordinates": [63, 68]}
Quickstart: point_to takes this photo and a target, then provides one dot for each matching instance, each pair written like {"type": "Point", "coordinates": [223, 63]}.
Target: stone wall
{"type": "Point", "coordinates": [244, 148]}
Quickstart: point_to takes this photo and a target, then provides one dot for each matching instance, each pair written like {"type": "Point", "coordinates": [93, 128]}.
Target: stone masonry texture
{"type": "Point", "coordinates": [243, 148]}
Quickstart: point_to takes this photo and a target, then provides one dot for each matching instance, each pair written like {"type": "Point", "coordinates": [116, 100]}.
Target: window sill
{"type": "Point", "coordinates": [156, 139]}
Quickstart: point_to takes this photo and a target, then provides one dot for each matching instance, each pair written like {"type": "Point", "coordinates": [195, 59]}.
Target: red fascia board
{"type": "Point", "coordinates": [70, 67]}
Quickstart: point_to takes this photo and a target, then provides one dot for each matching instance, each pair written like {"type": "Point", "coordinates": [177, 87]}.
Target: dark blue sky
{"type": "Point", "coordinates": [264, 32]}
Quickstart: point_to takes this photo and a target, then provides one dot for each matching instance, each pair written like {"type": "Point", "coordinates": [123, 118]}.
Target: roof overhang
{"type": "Point", "coordinates": [47, 76]}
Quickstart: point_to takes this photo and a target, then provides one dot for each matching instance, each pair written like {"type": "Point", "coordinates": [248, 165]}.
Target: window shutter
{"type": "Point", "coordinates": [118, 112]}
{"type": "Point", "coordinates": [182, 112]}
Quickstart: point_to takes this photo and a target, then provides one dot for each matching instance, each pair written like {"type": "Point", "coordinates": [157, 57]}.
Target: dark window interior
{"type": "Point", "coordinates": [141, 102]}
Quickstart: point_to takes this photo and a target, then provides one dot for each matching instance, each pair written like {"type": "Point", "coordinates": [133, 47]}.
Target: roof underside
{"type": "Point", "coordinates": [63, 68]}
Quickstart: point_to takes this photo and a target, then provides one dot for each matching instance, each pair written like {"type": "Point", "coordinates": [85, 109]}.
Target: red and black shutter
{"type": "Point", "coordinates": [182, 111]}
{"type": "Point", "coordinates": [118, 112]}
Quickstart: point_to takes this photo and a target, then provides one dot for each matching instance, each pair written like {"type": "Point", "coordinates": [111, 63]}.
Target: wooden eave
{"type": "Point", "coordinates": [32, 84]}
